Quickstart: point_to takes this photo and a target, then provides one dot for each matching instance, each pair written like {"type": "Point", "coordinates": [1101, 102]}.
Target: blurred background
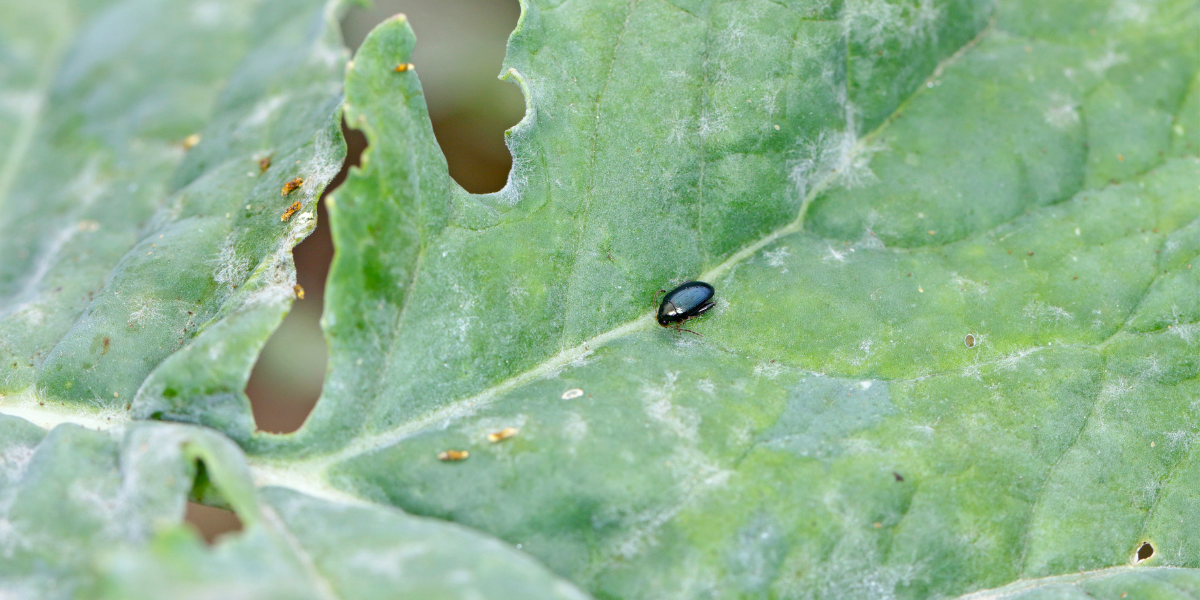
{"type": "Point", "coordinates": [460, 47]}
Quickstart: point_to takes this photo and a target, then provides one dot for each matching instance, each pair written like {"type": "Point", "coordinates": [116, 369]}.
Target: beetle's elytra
{"type": "Point", "coordinates": [691, 299]}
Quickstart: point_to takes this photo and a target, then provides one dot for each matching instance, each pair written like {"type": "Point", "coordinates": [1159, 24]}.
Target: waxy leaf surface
{"type": "Point", "coordinates": [147, 236]}
{"type": "Point", "coordinates": [953, 352]}
{"type": "Point", "coordinates": [954, 342]}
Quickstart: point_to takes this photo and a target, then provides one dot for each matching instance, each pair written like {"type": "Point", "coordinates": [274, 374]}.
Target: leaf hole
{"type": "Point", "coordinates": [459, 52]}
{"type": "Point", "coordinates": [286, 380]}
{"type": "Point", "coordinates": [287, 377]}
{"type": "Point", "coordinates": [1144, 552]}
{"type": "Point", "coordinates": [204, 509]}
{"type": "Point", "coordinates": [211, 522]}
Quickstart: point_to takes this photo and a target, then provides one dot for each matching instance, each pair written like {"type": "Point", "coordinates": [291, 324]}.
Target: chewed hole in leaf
{"type": "Point", "coordinates": [470, 110]}
{"type": "Point", "coordinates": [212, 522]}
{"type": "Point", "coordinates": [287, 378]}
{"type": "Point", "coordinates": [204, 510]}
{"type": "Point", "coordinates": [460, 49]}
{"type": "Point", "coordinates": [1144, 552]}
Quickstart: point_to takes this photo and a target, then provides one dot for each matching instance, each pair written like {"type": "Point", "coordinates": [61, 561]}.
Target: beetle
{"type": "Point", "coordinates": [690, 299]}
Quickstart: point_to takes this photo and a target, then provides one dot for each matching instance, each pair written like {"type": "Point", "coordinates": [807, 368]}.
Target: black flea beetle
{"type": "Point", "coordinates": [691, 299]}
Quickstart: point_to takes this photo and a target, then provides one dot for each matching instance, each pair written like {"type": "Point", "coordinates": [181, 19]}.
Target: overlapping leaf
{"type": "Point", "coordinates": [147, 246]}
{"type": "Point", "coordinates": [97, 514]}
{"type": "Point", "coordinates": [144, 274]}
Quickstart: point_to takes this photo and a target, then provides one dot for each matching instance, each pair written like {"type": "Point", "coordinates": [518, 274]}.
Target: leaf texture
{"type": "Point", "coordinates": [953, 350]}
{"type": "Point", "coordinates": [952, 344]}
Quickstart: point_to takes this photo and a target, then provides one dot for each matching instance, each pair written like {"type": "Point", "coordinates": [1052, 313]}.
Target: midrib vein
{"type": "Point", "coordinates": [310, 475]}
{"type": "Point", "coordinates": [467, 406]}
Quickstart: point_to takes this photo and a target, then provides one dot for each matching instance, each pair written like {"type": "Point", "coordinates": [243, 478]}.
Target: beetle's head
{"type": "Point", "coordinates": [666, 313]}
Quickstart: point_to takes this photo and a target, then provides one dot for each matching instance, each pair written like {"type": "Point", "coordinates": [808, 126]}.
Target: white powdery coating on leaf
{"type": "Point", "coordinates": [87, 187]}
{"type": "Point", "coordinates": [835, 158]}
{"type": "Point", "coordinates": [834, 254]}
{"type": "Point", "coordinates": [1009, 362]}
{"type": "Point", "coordinates": [263, 110]}
{"type": "Point", "coordinates": [776, 258]}
{"type": "Point", "coordinates": [231, 269]}
{"type": "Point", "coordinates": [695, 473]}
{"type": "Point", "coordinates": [1187, 332]}
{"type": "Point", "coordinates": [29, 313]}
{"type": "Point", "coordinates": [1114, 390]}
{"type": "Point", "coordinates": [574, 429]}
{"type": "Point", "coordinates": [13, 462]}
{"type": "Point", "coordinates": [99, 503]}
{"type": "Point", "coordinates": [389, 563]}
{"type": "Point", "coordinates": [968, 285]}
{"type": "Point", "coordinates": [1106, 62]}
{"type": "Point", "coordinates": [1180, 440]}
{"type": "Point", "coordinates": [321, 168]}
{"type": "Point", "coordinates": [1042, 312]}
{"type": "Point", "coordinates": [146, 313]}
{"type": "Point", "coordinates": [875, 23]}
{"type": "Point", "coordinates": [656, 401]}
{"type": "Point", "coordinates": [770, 370]}
{"type": "Point", "coordinates": [1062, 112]}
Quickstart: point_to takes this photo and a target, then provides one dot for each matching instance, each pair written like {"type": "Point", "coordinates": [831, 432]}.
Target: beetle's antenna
{"type": "Point", "coordinates": [656, 296]}
{"type": "Point", "coordinates": [678, 328]}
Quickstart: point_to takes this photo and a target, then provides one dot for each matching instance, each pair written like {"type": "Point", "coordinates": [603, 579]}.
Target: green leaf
{"type": "Point", "coordinates": [1110, 584]}
{"type": "Point", "coordinates": [953, 346]}
{"type": "Point", "coordinates": [96, 514]}
{"type": "Point", "coordinates": [136, 263]}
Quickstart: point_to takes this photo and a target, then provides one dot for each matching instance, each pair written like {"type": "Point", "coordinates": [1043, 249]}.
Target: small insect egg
{"type": "Point", "coordinates": [299, 291]}
{"type": "Point", "coordinates": [969, 340]}
{"type": "Point", "coordinates": [453, 455]}
{"type": "Point", "coordinates": [190, 141]}
{"type": "Point", "coordinates": [291, 210]}
{"type": "Point", "coordinates": [292, 186]}
{"type": "Point", "coordinates": [571, 394]}
{"type": "Point", "coordinates": [503, 434]}
{"type": "Point", "coordinates": [402, 67]}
